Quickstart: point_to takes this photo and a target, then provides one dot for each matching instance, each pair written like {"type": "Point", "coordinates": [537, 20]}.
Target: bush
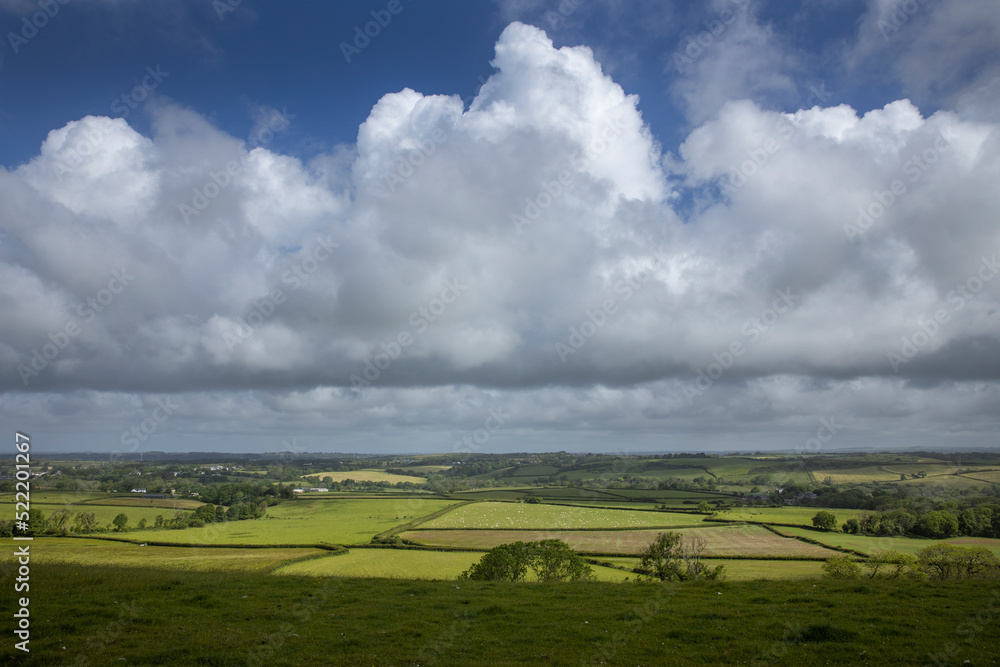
{"type": "Point", "coordinates": [551, 560]}
{"type": "Point", "coordinates": [841, 567]}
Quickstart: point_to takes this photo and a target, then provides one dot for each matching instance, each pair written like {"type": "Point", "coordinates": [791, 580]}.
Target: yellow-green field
{"type": "Point", "coordinates": [364, 476]}
{"type": "Point", "coordinates": [861, 475]}
{"type": "Point", "coordinates": [58, 497]}
{"type": "Point", "coordinates": [541, 517]}
{"type": "Point", "coordinates": [721, 541]}
{"type": "Point", "coordinates": [868, 544]}
{"type": "Point", "coordinates": [307, 520]}
{"type": "Point", "coordinates": [123, 554]}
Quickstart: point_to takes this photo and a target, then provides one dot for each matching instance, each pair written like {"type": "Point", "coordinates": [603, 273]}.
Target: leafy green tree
{"type": "Point", "coordinates": [851, 526]}
{"type": "Point", "coordinates": [944, 561]}
{"type": "Point", "coordinates": [85, 522]}
{"type": "Point", "coordinates": [890, 565]}
{"type": "Point", "coordinates": [669, 557]}
{"type": "Point", "coordinates": [58, 522]}
{"type": "Point", "coordinates": [825, 520]}
{"type": "Point", "coordinates": [36, 522]}
{"type": "Point", "coordinates": [554, 560]}
{"type": "Point", "coordinates": [158, 521]}
{"type": "Point", "coordinates": [703, 506]}
{"type": "Point", "coordinates": [120, 522]}
{"type": "Point", "coordinates": [142, 523]}
{"type": "Point", "coordinates": [938, 525]}
{"type": "Point", "coordinates": [841, 566]}
{"type": "Point", "coordinates": [662, 558]}
{"type": "Point", "coordinates": [507, 562]}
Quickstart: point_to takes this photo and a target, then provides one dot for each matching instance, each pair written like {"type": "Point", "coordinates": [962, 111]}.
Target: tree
{"type": "Point", "coordinates": [890, 565]}
{"type": "Point", "coordinates": [36, 522]}
{"type": "Point", "coordinates": [58, 521]}
{"type": "Point", "coordinates": [669, 557]}
{"type": "Point", "coordinates": [142, 523]}
{"type": "Point", "coordinates": [937, 525]}
{"type": "Point", "coordinates": [703, 506]}
{"type": "Point", "coordinates": [825, 520]}
{"type": "Point", "coordinates": [841, 566]}
{"type": "Point", "coordinates": [507, 562]}
{"type": "Point", "coordinates": [554, 560]}
{"type": "Point", "coordinates": [120, 522]}
{"type": "Point", "coordinates": [158, 521]}
{"type": "Point", "coordinates": [938, 560]}
{"type": "Point", "coordinates": [851, 526]}
{"type": "Point", "coordinates": [85, 522]}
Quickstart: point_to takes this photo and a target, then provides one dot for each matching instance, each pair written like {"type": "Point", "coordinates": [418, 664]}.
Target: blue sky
{"type": "Point", "coordinates": [626, 226]}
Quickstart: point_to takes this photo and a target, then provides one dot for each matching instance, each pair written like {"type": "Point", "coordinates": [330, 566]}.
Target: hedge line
{"type": "Point", "coordinates": [192, 545]}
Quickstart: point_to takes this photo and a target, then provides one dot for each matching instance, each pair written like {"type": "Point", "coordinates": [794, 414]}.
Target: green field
{"type": "Point", "coordinates": [308, 520]}
{"type": "Point", "coordinates": [141, 616]}
{"type": "Point", "coordinates": [860, 475]}
{"type": "Point", "coordinates": [868, 544]}
{"type": "Point", "coordinates": [735, 540]}
{"type": "Point", "coordinates": [58, 497]}
{"type": "Point", "coordinates": [540, 517]}
{"type": "Point", "coordinates": [81, 551]}
{"type": "Point", "coordinates": [794, 515]}
{"type": "Point", "coordinates": [164, 503]}
{"type": "Point", "coordinates": [105, 514]}
{"type": "Point", "coordinates": [364, 476]}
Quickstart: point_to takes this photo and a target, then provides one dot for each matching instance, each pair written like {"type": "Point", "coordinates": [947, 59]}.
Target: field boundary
{"type": "Point", "coordinates": [192, 545]}
{"type": "Point", "coordinates": [809, 540]}
{"type": "Point", "coordinates": [419, 520]}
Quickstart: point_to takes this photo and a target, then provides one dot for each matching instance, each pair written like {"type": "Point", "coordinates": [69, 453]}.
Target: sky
{"type": "Point", "coordinates": [511, 225]}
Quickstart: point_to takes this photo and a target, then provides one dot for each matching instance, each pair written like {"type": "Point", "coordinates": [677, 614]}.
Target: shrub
{"type": "Point", "coordinates": [841, 566]}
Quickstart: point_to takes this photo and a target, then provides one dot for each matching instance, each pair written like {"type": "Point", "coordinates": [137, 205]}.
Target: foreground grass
{"type": "Point", "coordinates": [107, 615]}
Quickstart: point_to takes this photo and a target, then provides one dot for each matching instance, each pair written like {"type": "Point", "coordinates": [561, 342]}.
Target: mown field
{"type": "Point", "coordinates": [539, 517]}
{"type": "Point", "coordinates": [364, 476]}
{"type": "Point", "coordinates": [868, 544]}
{"type": "Point", "coordinates": [737, 540]}
{"type": "Point", "coordinates": [82, 551]}
{"type": "Point", "coordinates": [306, 520]}
{"type": "Point", "coordinates": [108, 615]}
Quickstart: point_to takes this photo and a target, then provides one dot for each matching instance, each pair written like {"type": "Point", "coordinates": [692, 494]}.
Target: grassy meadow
{"type": "Point", "coordinates": [108, 615]}
{"type": "Point", "coordinates": [498, 515]}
